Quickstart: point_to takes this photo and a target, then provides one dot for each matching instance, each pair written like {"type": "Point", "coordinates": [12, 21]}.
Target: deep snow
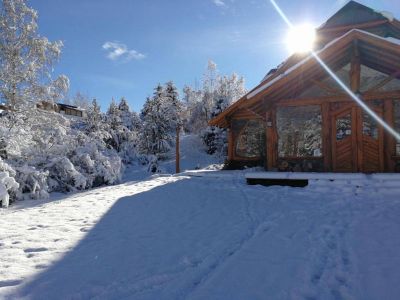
{"type": "Point", "coordinates": [202, 235]}
{"type": "Point", "coordinates": [197, 238]}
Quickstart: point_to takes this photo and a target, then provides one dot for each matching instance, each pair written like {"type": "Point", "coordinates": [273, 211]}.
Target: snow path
{"type": "Point", "coordinates": [181, 237]}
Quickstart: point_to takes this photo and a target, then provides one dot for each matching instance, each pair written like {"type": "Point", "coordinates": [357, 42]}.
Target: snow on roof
{"type": "Point", "coordinates": [386, 14]}
{"type": "Point", "coordinates": [305, 60]}
{"type": "Point", "coordinates": [393, 40]}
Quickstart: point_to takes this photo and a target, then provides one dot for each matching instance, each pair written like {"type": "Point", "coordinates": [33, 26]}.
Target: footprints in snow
{"type": "Point", "coordinates": [35, 227]}
{"type": "Point", "coordinates": [7, 283]}
{"type": "Point", "coordinates": [332, 265]}
{"type": "Point", "coordinates": [32, 250]}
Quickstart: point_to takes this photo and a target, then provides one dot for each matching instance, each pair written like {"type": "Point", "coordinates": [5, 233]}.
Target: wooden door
{"type": "Point", "coordinates": [370, 143]}
{"type": "Point", "coordinates": [357, 144]}
{"type": "Point", "coordinates": [344, 143]}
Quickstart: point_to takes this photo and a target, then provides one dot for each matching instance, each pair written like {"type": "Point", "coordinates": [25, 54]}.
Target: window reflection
{"type": "Point", "coordinates": [250, 142]}
{"type": "Point", "coordinates": [343, 127]}
{"type": "Point", "coordinates": [370, 126]}
{"type": "Point", "coordinates": [299, 131]}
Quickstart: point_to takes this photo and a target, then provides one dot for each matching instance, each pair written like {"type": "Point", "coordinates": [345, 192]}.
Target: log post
{"type": "Point", "coordinates": [355, 68]}
{"type": "Point", "coordinates": [177, 146]}
{"type": "Point", "coordinates": [389, 141]}
{"type": "Point", "coordinates": [326, 136]}
{"type": "Point", "coordinates": [272, 144]}
{"type": "Point", "coordinates": [230, 144]}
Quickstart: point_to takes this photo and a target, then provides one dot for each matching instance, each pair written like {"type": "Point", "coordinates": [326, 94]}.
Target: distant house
{"type": "Point", "coordinates": [64, 109]}
{"type": "Point", "coordinates": [299, 119]}
{"type": "Point", "coordinates": [70, 110]}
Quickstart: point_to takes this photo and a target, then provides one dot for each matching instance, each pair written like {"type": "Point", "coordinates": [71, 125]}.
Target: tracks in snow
{"type": "Point", "coordinates": [211, 265]}
{"type": "Point", "coordinates": [329, 273]}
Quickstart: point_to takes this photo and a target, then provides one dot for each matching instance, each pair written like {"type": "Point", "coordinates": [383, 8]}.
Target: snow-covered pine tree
{"type": "Point", "coordinates": [124, 127]}
{"type": "Point", "coordinates": [128, 118]}
{"type": "Point", "coordinates": [172, 106]}
{"type": "Point", "coordinates": [112, 115]}
{"type": "Point", "coordinates": [26, 58]}
{"type": "Point", "coordinates": [156, 136]}
{"type": "Point", "coordinates": [94, 117]}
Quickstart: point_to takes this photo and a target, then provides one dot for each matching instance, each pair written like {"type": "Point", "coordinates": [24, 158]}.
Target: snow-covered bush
{"type": "Point", "coordinates": [98, 167]}
{"type": "Point", "coordinates": [64, 177]}
{"type": "Point", "coordinates": [47, 152]}
{"type": "Point", "coordinates": [33, 183]}
{"type": "Point", "coordinates": [8, 186]}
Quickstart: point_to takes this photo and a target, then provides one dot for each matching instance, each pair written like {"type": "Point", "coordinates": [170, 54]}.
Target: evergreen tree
{"type": "Point", "coordinates": [112, 115]}
{"type": "Point", "coordinates": [172, 106]}
{"type": "Point", "coordinates": [156, 135]}
{"type": "Point", "coordinates": [94, 117]}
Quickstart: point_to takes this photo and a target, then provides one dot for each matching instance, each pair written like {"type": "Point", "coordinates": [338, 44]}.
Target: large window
{"type": "Point", "coordinates": [397, 123]}
{"type": "Point", "coordinates": [249, 138]}
{"type": "Point", "coordinates": [299, 130]}
{"type": "Point", "coordinates": [315, 91]}
{"type": "Point", "coordinates": [371, 78]}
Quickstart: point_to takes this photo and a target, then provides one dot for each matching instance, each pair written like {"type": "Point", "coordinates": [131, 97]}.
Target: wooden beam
{"type": "Point", "coordinates": [326, 136]}
{"type": "Point", "coordinates": [338, 98]}
{"type": "Point", "coordinates": [356, 130]}
{"type": "Point", "coordinates": [231, 144]}
{"type": "Point", "coordinates": [272, 139]}
{"type": "Point", "coordinates": [313, 101]}
{"type": "Point", "coordinates": [355, 68]}
{"type": "Point", "coordinates": [381, 95]}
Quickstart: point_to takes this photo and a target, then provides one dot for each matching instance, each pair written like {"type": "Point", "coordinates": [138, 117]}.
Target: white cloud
{"type": "Point", "coordinates": [119, 51]}
{"type": "Point", "coordinates": [219, 3]}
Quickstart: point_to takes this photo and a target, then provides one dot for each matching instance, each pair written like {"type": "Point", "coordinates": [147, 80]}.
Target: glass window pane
{"type": "Point", "coordinates": [314, 91]}
{"type": "Point", "coordinates": [370, 78]}
{"type": "Point", "coordinates": [370, 126]}
{"type": "Point", "coordinates": [299, 130]}
{"type": "Point", "coordinates": [343, 127]}
{"type": "Point", "coordinates": [250, 142]}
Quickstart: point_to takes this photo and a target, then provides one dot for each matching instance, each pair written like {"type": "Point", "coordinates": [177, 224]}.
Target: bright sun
{"type": "Point", "coordinates": [301, 38]}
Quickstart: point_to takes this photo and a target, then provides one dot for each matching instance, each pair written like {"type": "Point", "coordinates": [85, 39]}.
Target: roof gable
{"type": "Point", "coordinates": [379, 53]}
{"type": "Point", "coordinates": [353, 13]}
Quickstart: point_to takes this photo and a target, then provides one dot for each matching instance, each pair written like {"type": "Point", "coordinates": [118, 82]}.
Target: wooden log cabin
{"type": "Point", "coordinates": [299, 119]}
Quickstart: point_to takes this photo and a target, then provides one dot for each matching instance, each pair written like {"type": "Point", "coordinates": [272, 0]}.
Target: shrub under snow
{"type": "Point", "coordinates": [7, 186]}
{"type": "Point", "coordinates": [48, 153]}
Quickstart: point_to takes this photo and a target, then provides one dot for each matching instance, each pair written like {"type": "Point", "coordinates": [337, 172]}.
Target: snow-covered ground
{"type": "Point", "coordinates": [181, 237]}
{"type": "Point", "coordinates": [203, 235]}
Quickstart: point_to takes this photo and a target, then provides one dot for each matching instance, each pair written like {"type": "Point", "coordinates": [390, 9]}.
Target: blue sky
{"type": "Point", "coordinates": [115, 48]}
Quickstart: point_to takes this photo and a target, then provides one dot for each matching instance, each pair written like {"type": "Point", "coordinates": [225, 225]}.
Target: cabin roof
{"type": "Point", "coordinates": [378, 52]}
{"type": "Point", "coordinates": [355, 13]}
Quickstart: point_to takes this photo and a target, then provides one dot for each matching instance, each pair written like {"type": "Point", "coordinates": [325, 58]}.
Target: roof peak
{"type": "Point", "coordinates": [354, 12]}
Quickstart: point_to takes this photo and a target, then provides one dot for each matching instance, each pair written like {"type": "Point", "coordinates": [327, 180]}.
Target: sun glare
{"type": "Point", "coordinates": [301, 38]}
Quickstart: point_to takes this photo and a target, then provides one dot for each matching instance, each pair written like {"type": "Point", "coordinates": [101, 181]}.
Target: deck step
{"type": "Point", "coordinates": [325, 181]}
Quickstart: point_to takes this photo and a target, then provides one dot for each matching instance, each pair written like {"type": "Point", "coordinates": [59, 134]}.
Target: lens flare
{"type": "Point", "coordinates": [301, 38]}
